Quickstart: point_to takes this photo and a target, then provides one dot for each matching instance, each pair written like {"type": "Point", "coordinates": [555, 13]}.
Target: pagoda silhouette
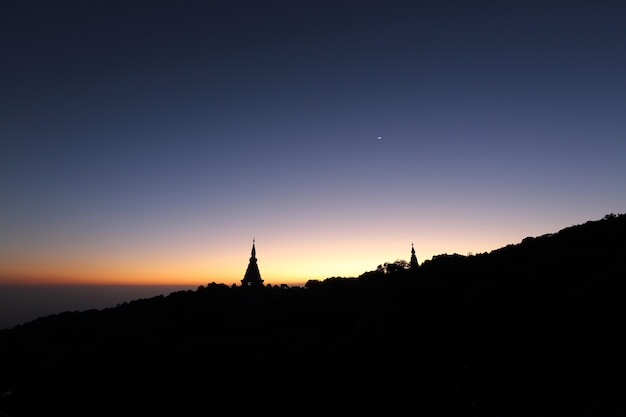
{"type": "Point", "coordinates": [252, 278]}
{"type": "Point", "coordinates": [413, 264]}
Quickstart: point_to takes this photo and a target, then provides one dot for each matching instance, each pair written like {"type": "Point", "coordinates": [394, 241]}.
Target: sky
{"type": "Point", "coordinates": [149, 142]}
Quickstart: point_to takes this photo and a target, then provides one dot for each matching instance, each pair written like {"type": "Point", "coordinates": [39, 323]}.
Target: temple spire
{"type": "Point", "coordinates": [413, 264]}
{"type": "Point", "coordinates": [252, 278]}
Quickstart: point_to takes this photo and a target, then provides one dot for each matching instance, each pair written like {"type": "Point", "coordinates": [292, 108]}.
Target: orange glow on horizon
{"type": "Point", "coordinates": [280, 262]}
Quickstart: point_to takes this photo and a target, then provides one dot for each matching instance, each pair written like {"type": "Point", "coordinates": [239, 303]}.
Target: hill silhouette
{"type": "Point", "coordinates": [534, 328]}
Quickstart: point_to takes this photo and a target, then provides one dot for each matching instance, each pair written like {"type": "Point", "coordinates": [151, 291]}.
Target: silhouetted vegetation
{"type": "Point", "coordinates": [535, 328]}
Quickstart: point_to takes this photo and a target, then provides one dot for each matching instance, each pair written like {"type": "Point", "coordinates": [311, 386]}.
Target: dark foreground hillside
{"type": "Point", "coordinates": [535, 329]}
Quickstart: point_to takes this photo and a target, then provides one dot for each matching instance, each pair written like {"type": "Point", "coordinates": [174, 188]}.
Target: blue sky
{"type": "Point", "coordinates": [149, 142]}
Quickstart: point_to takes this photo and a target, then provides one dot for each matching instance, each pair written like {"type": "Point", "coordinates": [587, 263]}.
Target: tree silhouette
{"type": "Point", "coordinates": [524, 329]}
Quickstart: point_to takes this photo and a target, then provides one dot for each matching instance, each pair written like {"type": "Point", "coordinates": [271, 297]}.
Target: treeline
{"type": "Point", "coordinates": [530, 327]}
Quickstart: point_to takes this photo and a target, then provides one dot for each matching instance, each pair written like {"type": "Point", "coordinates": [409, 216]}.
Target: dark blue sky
{"type": "Point", "coordinates": [149, 141]}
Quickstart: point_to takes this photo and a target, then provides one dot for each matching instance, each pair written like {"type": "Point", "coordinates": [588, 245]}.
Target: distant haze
{"type": "Point", "coordinates": [23, 303]}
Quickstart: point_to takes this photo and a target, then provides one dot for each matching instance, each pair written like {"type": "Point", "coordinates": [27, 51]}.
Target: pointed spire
{"type": "Point", "coordinates": [252, 278]}
{"type": "Point", "coordinates": [413, 264]}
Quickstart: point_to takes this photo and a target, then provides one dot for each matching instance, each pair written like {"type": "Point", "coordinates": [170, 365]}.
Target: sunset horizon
{"type": "Point", "coordinates": [150, 144]}
{"type": "Point", "coordinates": [346, 207]}
{"type": "Point", "coordinates": [295, 266]}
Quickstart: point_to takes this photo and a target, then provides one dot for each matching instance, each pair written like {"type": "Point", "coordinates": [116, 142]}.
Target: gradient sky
{"type": "Point", "coordinates": [149, 142]}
